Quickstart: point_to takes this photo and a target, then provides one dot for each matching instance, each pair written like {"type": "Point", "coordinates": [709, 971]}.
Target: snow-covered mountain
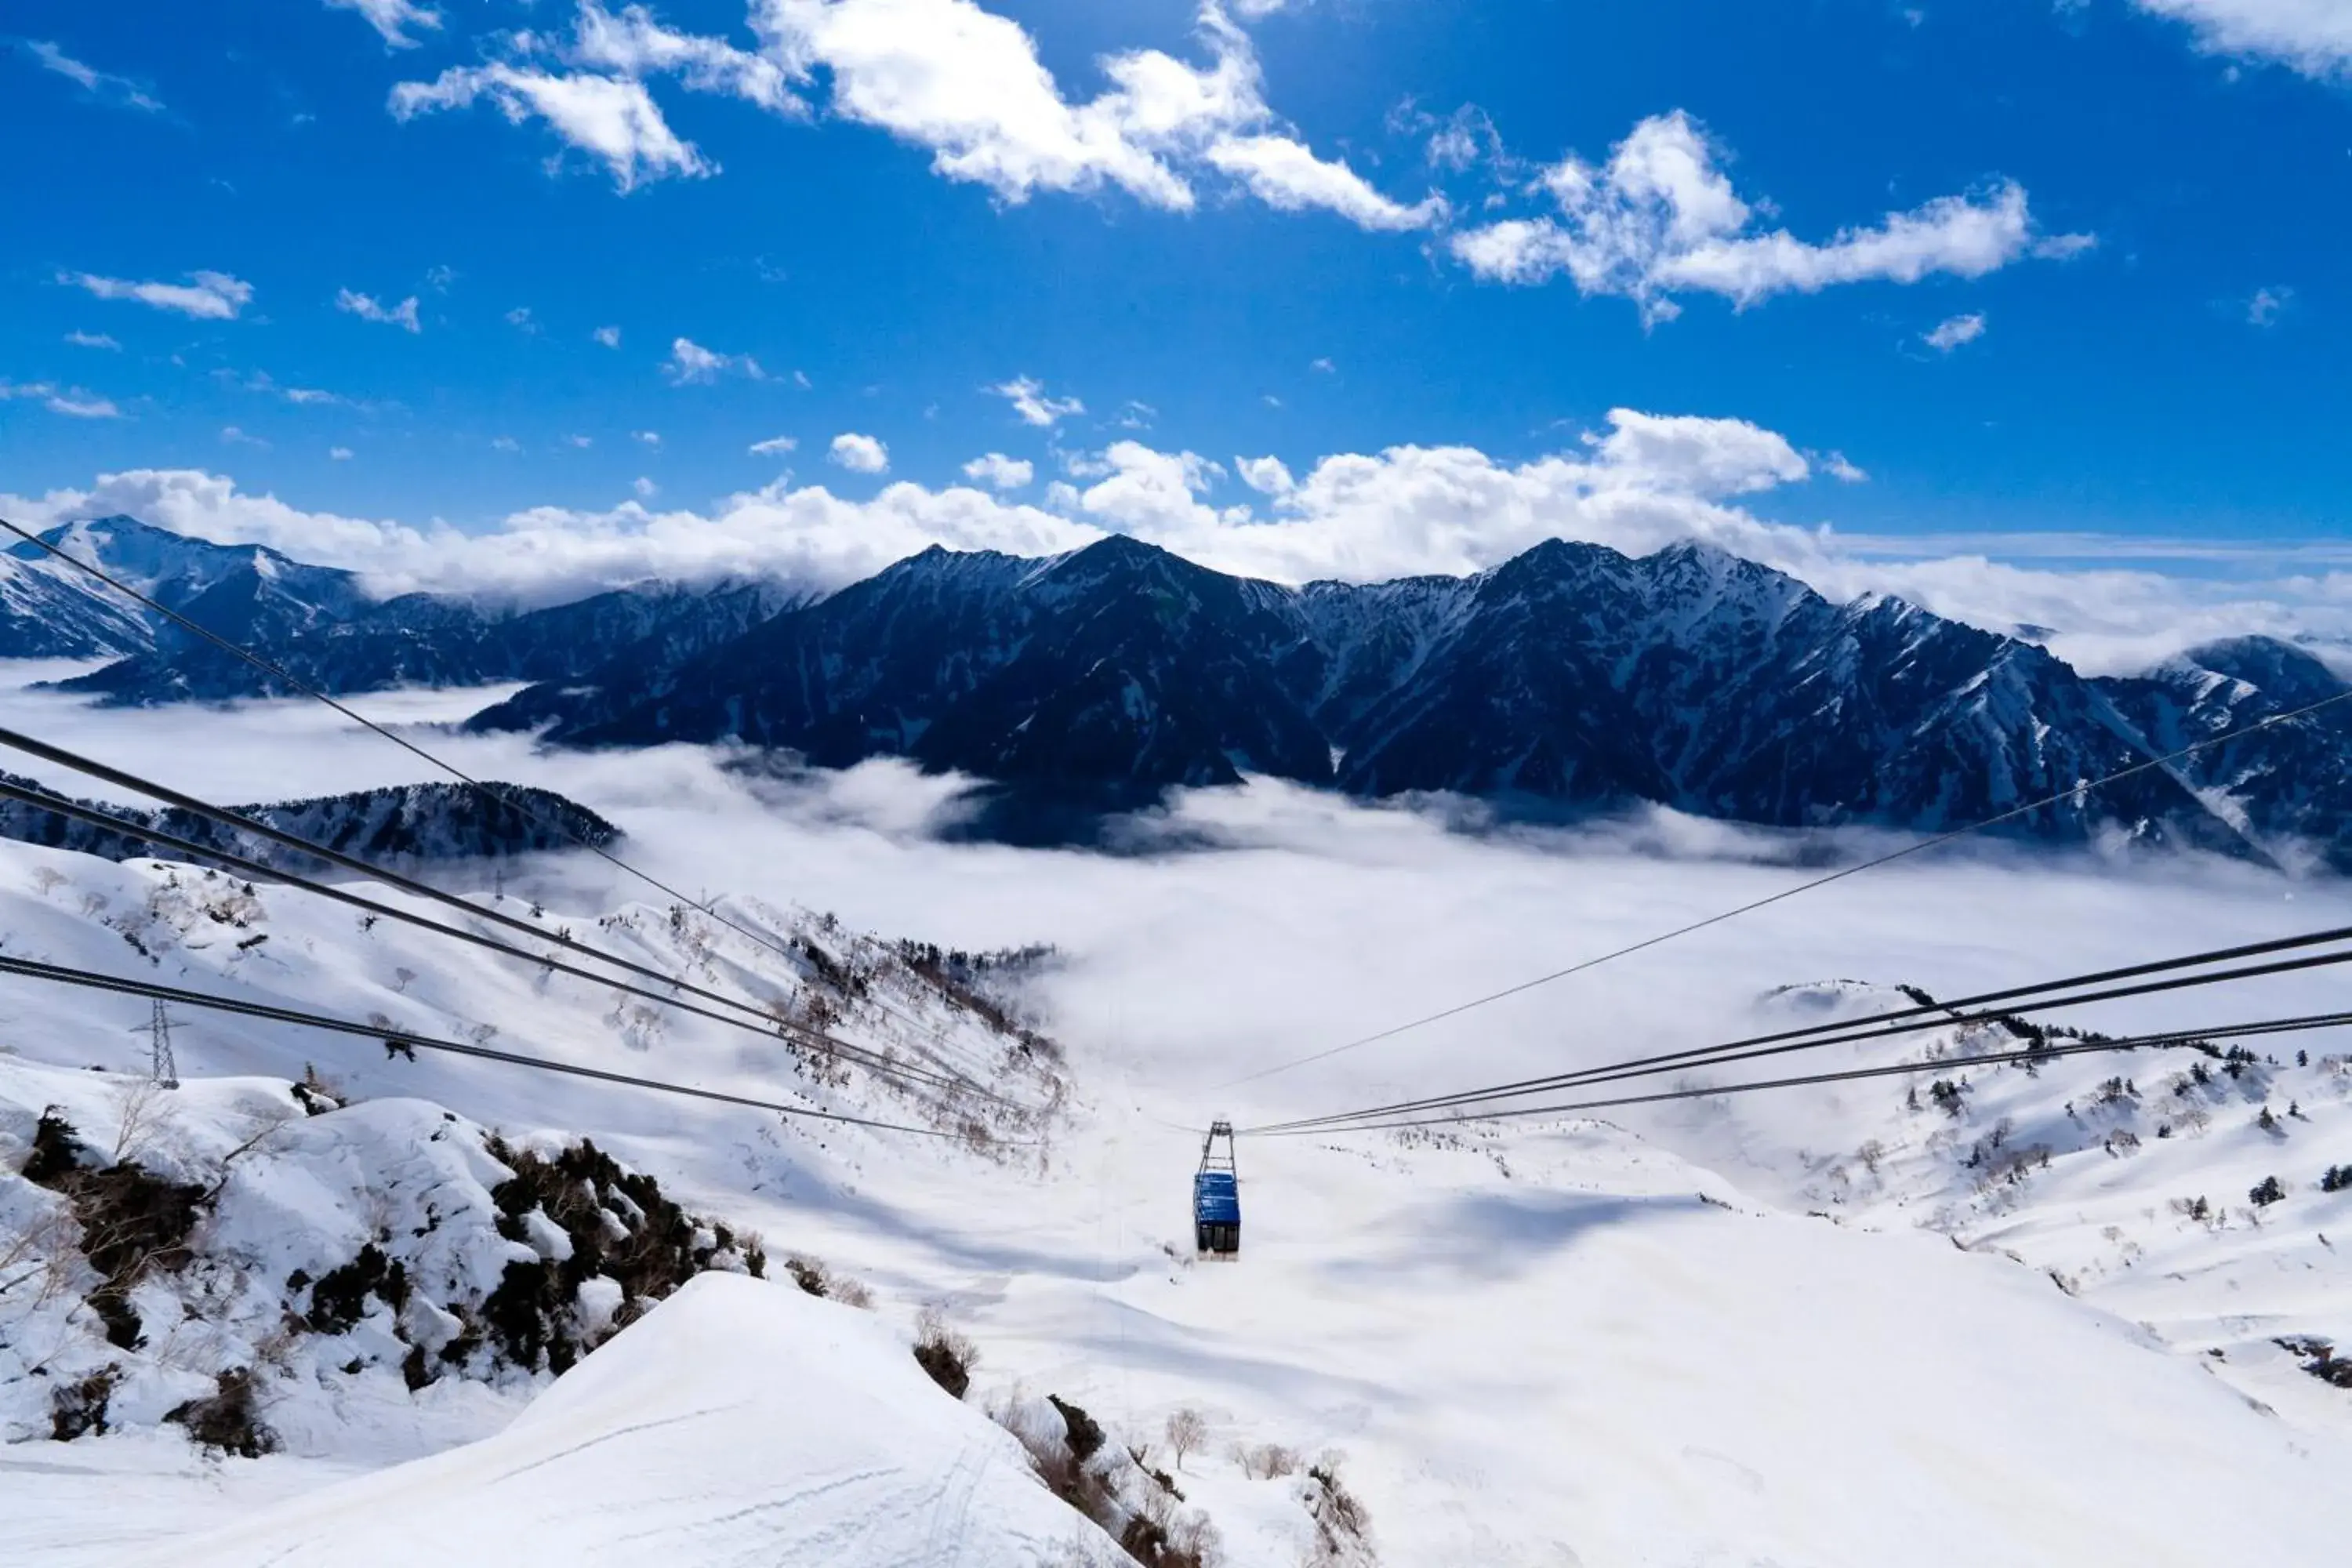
{"type": "Point", "coordinates": [1572, 677]}
{"type": "Point", "coordinates": [396, 825]}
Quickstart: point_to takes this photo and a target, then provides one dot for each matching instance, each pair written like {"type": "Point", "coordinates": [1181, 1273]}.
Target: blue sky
{"type": "Point", "coordinates": [1294, 231]}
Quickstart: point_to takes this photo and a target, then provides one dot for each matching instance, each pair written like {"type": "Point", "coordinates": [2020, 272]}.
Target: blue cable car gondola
{"type": "Point", "coordinates": [1217, 1195]}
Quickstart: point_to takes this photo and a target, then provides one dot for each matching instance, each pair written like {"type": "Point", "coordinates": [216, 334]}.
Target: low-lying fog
{"type": "Point", "coordinates": [1244, 928]}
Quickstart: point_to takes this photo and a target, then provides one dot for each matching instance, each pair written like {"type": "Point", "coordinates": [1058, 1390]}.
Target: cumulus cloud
{"type": "Point", "coordinates": [70, 401]}
{"type": "Point", "coordinates": [591, 91]}
{"type": "Point", "coordinates": [773, 446]}
{"type": "Point", "coordinates": [104, 86]}
{"type": "Point", "coordinates": [339, 454]}
{"type": "Point", "coordinates": [207, 296]}
{"type": "Point", "coordinates": [644, 488]}
{"type": "Point", "coordinates": [231, 435]}
{"type": "Point", "coordinates": [2313, 36]}
{"type": "Point", "coordinates": [1954, 330]}
{"type": "Point", "coordinates": [859, 454]}
{"type": "Point", "coordinates": [967, 83]}
{"type": "Point", "coordinates": [93, 340]}
{"type": "Point", "coordinates": [950, 77]}
{"type": "Point", "coordinates": [608, 336]}
{"type": "Point", "coordinates": [1268, 476]}
{"type": "Point", "coordinates": [368, 307]}
{"type": "Point", "coordinates": [1638, 484]}
{"type": "Point", "coordinates": [505, 443]}
{"type": "Point", "coordinates": [391, 18]}
{"type": "Point", "coordinates": [650, 437]}
{"type": "Point", "coordinates": [612, 118]}
{"type": "Point", "coordinates": [1029, 400]}
{"type": "Point", "coordinates": [634, 45]}
{"type": "Point", "coordinates": [689, 363]}
{"type": "Point", "coordinates": [999, 472]}
{"type": "Point", "coordinates": [2268, 305]}
{"type": "Point", "coordinates": [1661, 218]}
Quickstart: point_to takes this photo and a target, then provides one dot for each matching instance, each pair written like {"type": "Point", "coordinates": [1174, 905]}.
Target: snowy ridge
{"type": "Point", "coordinates": [399, 824]}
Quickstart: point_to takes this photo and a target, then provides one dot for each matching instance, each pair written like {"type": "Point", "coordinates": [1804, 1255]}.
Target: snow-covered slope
{"type": "Point", "coordinates": [2136, 1182]}
{"type": "Point", "coordinates": [739, 1423]}
{"type": "Point", "coordinates": [1526, 1345]}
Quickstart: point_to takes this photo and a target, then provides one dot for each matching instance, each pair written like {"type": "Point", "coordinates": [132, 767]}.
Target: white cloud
{"type": "Point", "coordinates": [208, 296]}
{"type": "Point", "coordinates": [999, 472]}
{"type": "Point", "coordinates": [2315, 37]}
{"type": "Point", "coordinates": [590, 89]}
{"type": "Point", "coordinates": [634, 45]}
{"type": "Point", "coordinates": [310, 396]}
{"type": "Point", "coordinates": [391, 18]}
{"type": "Point", "coordinates": [99, 84]}
{"type": "Point", "coordinates": [519, 318]}
{"type": "Point", "coordinates": [1837, 468]}
{"type": "Point", "coordinates": [1286, 176]}
{"type": "Point", "coordinates": [650, 437]}
{"type": "Point", "coordinates": [967, 84]}
{"type": "Point", "coordinates": [1661, 218]}
{"type": "Point", "coordinates": [773, 446]}
{"type": "Point", "coordinates": [579, 442]}
{"type": "Point", "coordinates": [859, 454]}
{"type": "Point", "coordinates": [610, 118]}
{"type": "Point", "coordinates": [690, 363]}
{"type": "Point", "coordinates": [505, 443]}
{"type": "Point", "coordinates": [236, 438]}
{"type": "Point", "coordinates": [643, 487]}
{"type": "Point", "coordinates": [339, 454]}
{"type": "Point", "coordinates": [368, 307]}
{"type": "Point", "coordinates": [1951, 332]}
{"type": "Point", "coordinates": [1644, 482]}
{"type": "Point", "coordinates": [93, 340]}
{"type": "Point", "coordinates": [1268, 476]}
{"type": "Point", "coordinates": [70, 401]}
{"type": "Point", "coordinates": [1029, 400]}
{"type": "Point", "coordinates": [608, 336]}
{"type": "Point", "coordinates": [2268, 305]}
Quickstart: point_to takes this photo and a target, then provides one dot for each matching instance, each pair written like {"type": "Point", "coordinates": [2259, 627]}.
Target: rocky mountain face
{"type": "Point", "coordinates": [2289, 782]}
{"type": "Point", "coordinates": [404, 825]}
{"type": "Point", "coordinates": [319, 624]}
{"type": "Point", "coordinates": [1567, 679]}
{"type": "Point", "coordinates": [1571, 677]}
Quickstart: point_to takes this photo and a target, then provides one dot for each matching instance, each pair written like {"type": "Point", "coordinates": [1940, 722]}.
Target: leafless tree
{"type": "Point", "coordinates": [1187, 1430]}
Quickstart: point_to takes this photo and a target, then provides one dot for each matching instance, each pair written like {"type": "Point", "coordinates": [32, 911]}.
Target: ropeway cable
{"type": "Point", "coordinates": [68, 976]}
{"type": "Point", "coordinates": [1805, 887]}
{"type": "Point", "coordinates": [226, 818]}
{"type": "Point", "coordinates": [1884, 1026]}
{"type": "Point", "coordinates": [56, 804]}
{"type": "Point", "coordinates": [1896, 1070]}
{"type": "Point", "coordinates": [489, 790]}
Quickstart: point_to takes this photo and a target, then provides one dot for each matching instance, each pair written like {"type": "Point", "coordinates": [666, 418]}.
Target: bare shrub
{"type": "Point", "coordinates": [943, 1353]}
{"type": "Point", "coordinates": [1266, 1462]}
{"type": "Point", "coordinates": [821, 1281]}
{"type": "Point", "coordinates": [229, 1419]}
{"type": "Point", "coordinates": [77, 1409]}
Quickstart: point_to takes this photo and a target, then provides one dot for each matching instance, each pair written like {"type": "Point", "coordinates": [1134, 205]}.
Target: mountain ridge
{"type": "Point", "coordinates": [1567, 679]}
